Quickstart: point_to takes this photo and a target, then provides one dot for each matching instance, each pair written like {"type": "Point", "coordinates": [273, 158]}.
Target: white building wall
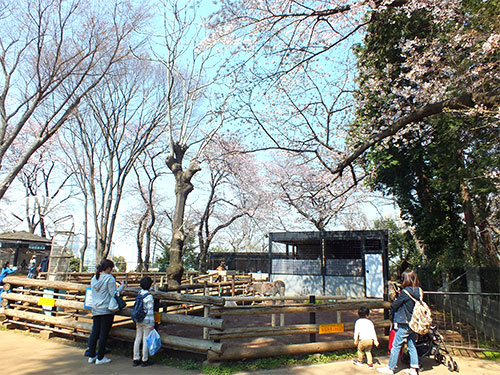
{"type": "Point", "coordinates": [301, 284]}
{"type": "Point", "coordinates": [349, 286]}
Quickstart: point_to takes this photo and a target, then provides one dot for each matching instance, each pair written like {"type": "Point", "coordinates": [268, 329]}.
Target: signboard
{"type": "Point", "coordinates": [44, 301]}
{"type": "Point", "coordinates": [331, 328]}
{"type": "Point", "coordinates": [87, 304]}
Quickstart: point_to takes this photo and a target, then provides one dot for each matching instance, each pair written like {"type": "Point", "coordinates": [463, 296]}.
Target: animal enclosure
{"type": "Point", "coordinates": [349, 263]}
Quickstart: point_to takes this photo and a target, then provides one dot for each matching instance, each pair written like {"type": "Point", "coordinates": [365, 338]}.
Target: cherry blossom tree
{"type": "Point", "coordinates": [290, 44]}
{"type": "Point", "coordinates": [308, 189]}
{"type": "Point", "coordinates": [53, 54]}
{"type": "Point", "coordinates": [235, 189]}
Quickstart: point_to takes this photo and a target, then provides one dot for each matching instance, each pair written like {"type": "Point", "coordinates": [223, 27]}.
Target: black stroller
{"type": "Point", "coordinates": [432, 345]}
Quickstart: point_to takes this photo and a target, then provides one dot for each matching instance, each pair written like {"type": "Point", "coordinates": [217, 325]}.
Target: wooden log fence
{"type": "Point", "coordinates": [27, 298]}
{"type": "Point", "coordinates": [26, 309]}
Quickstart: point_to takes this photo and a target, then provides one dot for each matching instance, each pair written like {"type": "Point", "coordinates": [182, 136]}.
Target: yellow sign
{"type": "Point", "coordinates": [331, 328]}
{"type": "Point", "coordinates": [42, 301]}
{"type": "Point", "coordinates": [157, 317]}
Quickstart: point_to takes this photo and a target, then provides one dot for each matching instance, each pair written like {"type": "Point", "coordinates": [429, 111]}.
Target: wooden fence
{"type": "Point", "coordinates": [58, 306]}
{"type": "Point", "coordinates": [220, 283]}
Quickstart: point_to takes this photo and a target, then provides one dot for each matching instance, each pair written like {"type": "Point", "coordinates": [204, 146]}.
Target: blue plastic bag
{"type": "Point", "coordinates": [154, 342]}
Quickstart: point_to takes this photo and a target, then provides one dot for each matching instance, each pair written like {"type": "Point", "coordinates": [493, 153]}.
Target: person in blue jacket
{"type": "Point", "coordinates": [6, 270]}
{"type": "Point", "coordinates": [403, 309]}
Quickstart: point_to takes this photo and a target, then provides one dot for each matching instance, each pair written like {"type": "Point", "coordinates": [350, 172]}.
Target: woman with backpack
{"type": "Point", "coordinates": [143, 316]}
{"type": "Point", "coordinates": [402, 309]}
{"type": "Point", "coordinates": [104, 288]}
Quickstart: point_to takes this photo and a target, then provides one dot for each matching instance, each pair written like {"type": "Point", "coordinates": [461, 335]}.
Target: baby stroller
{"type": "Point", "coordinates": [432, 344]}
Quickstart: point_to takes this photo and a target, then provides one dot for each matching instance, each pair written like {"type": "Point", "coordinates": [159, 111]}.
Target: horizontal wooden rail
{"type": "Point", "coordinates": [281, 298]}
{"type": "Point", "coordinates": [178, 297]}
{"type": "Point", "coordinates": [17, 280]}
{"type": "Point", "coordinates": [238, 352]}
{"type": "Point", "coordinates": [197, 321]}
{"type": "Point", "coordinates": [287, 309]}
{"type": "Point", "coordinates": [132, 292]}
{"type": "Point", "coordinates": [34, 300]}
{"type": "Point", "coordinates": [296, 329]}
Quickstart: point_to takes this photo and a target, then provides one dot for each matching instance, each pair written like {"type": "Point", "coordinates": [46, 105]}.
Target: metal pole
{"type": "Point", "coordinates": [312, 318]}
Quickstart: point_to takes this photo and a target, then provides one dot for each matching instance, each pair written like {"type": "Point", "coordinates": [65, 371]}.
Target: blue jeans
{"type": "Point", "coordinates": [402, 334]}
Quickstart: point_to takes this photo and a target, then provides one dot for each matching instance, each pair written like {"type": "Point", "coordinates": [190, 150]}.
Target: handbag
{"type": "Point", "coordinates": [116, 303]}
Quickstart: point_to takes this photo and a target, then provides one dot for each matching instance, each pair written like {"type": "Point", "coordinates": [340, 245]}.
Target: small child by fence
{"type": "Point", "coordinates": [143, 316]}
{"type": "Point", "coordinates": [364, 337]}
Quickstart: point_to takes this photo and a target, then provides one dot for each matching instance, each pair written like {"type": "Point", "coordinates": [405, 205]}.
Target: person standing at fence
{"type": "Point", "coordinates": [145, 322]}
{"type": "Point", "coordinates": [104, 288]}
{"type": "Point", "coordinates": [7, 269]}
{"type": "Point", "coordinates": [364, 337]}
{"type": "Point", "coordinates": [403, 309]}
{"type": "Point", "coordinates": [32, 268]}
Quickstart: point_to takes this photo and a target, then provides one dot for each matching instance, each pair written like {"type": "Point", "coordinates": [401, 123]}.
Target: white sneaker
{"type": "Point", "coordinates": [102, 361]}
{"type": "Point", "coordinates": [385, 370]}
{"type": "Point", "coordinates": [411, 371]}
{"type": "Point", "coordinates": [92, 359]}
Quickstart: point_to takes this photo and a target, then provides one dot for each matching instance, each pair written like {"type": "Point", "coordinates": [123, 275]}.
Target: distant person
{"type": "Point", "coordinates": [24, 265]}
{"type": "Point", "coordinates": [364, 337]}
{"type": "Point", "coordinates": [32, 268]}
{"type": "Point", "coordinates": [403, 310]}
{"type": "Point", "coordinates": [221, 267]}
{"type": "Point", "coordinates": [104, 287]}
{"type": "Point", "coordinates": [44, 264]}
{"type": "Point", "coordinates": [144, 322]}
{"type": "Point", "coordinates": [7, 269]}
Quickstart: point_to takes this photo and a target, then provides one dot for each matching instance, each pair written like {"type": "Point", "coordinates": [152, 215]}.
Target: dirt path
{"type": "Point", "coordinates": [30, 355]}
{"type": "Point", "coordinates": [24, 354]}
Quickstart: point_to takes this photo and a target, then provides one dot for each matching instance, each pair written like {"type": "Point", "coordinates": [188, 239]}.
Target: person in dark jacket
{"type": "Point", "coordinates": [44, 264]}
{"type": "Point", "coordinates": [403, 309]}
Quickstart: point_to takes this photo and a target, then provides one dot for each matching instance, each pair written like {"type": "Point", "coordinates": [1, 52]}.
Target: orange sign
{"type": "Point", "coordinates": [331, 328]}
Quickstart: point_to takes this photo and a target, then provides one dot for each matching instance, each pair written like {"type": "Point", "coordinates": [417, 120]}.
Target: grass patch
{"type": "Point", "coordinates": [493, 356]}
{"type": "Point", "coordinates": [227, 368]}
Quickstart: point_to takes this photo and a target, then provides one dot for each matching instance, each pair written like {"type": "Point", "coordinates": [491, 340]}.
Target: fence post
{"type": "Point", "coordinates": [339, 314]}
{"type": "Point", "coordinates": [206, 311]}
{"type": "Point", "coordinates": [312, 318]}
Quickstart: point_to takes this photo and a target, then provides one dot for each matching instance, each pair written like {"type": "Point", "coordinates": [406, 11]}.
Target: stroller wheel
{"type": "Point", "coordinates": [450, 366]}
{"type": "Point", "coordinates": [455, 366]}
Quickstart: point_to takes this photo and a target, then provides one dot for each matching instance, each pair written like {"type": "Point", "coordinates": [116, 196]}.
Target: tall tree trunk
{"type": "Point", "coordinates": [140, 242]}
{"type": "Point", "coordinates": [83, 249]}
{"type": "Point", "coordinates": [490, 252]}
{"type": "Point", "coordinates": [202, 256]}
{"type": "Point", "coordinates": [470, 224]}
{"type": "Point", "coordinates": [183, 188]}
{"type": "Point", "coordinates": [149, 230]}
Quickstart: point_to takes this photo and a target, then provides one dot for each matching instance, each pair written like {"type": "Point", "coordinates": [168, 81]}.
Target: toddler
{"type": "Point", "coordinates": [364, 337]}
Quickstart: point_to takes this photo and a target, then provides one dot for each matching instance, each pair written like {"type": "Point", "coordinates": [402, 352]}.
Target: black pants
{"type": "Point", "coordinates": [100, 331]}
